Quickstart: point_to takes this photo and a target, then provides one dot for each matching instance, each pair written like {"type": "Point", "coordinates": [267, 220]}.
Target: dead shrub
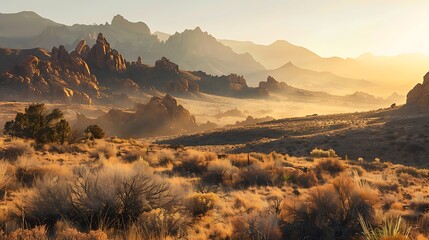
{"type": "Point", "coordinates": [330, 211]}
{"type": "Point", "coordinates": [47, 202]}
{"type": "Point", "coordinates": [333, 166]}
{"type": "Point", "coordinates": [37, 233]}
{"type": "Point", "coordinates": [198, 204]}
{"type": "Point", "coordinates": [256, 226]}
{"type": "Point", "coordinates": [420, 204]}
{"type": "Point", "coordinates": [193, 162]}
{"type": "Point", "coordinates": [158, 224]}
{"type": "Point", "coordinates": [418, 173]}
{"type": "Point", "coordinates": [219, 172]}
{"type": "Point", "coordinates": [117, 195]}
{"type": "Point", "coordinates": [254, 176]}
{"type": "Point", "coordinates": [16, 148]}
{"type": "Point", "coordinates": [320, 153]}
{"type": "Point", "coordinates": [423, 223]}
{"type": "Point", "coordinates": [101, 147]}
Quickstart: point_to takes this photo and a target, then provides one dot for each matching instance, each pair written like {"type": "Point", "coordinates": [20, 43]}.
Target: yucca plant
{"type": "Point", "coordinates": [390, 229]}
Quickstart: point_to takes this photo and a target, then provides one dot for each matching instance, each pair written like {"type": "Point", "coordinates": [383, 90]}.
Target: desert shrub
{"type": "Point", "coordinates": [357, 169]}
{"type": "Point", "coordinates": [333, 166]}
{"type": "Point", "coordinates": [38, 124]}
{"type": "Point", "coordinates": [157, 224]}
{"type": "Point", "coordinates": [256, 226]}
{"type": "Point", "coordinates": [103, 148]}
{"type": "Point", "coordinates": [372, 166]}
{"type": "Point", "coordinates": [391, 228]}
{"type": "Point", "coordinates": [73, 234]}
{"type": "Point", "coordinates": [117, 195]}
{"type": "Point", "coordinates": [7, 175]}
{"type": "Point", "coordinates": [423, 223]}
{"type": "Point", "coordinates": [304, 179]}
{"type": "Point", "coordinates": [254, 176]}
{"type": "Point", "coordinates": [16, 148]}
{"type": "Point", "coordinates": [94, 132]}
{"type": "Point", "coordinates": [218, 172]}
{"type": "Point", "coordinates": [418, 173]}
{"type": "Point", "coordinates": [37, 233]}
{"type": "Point", "coordinates": [47, 202]}
{"type": "Point", "coordinates": [420, 204]}
{"type": "Point", "coordinates": [330, 212]}
{"type": "Point", "coordinates": [198, 204]}
{"type": "Point", "coordinates": [241, 160]}
{"type": "Point", "coordinates": [320, 153]}
{"type": "Point", "coordinates": [193, 162]}
{"type": "Point", "coordinates": [161, 157]}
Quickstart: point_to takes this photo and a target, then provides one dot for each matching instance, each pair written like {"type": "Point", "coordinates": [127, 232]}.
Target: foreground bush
{"type": "Point", "coordinates": [113, 196]}
{"type": "Point", "coordinates": [330, 212]}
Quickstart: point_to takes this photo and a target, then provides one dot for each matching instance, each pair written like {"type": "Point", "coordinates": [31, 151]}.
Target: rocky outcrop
{"type": "Point", "coordinates": [272, 85]}
{"type": "Point", "coordinates": [231, 85]}
{"type": "Point", "coordinates": [418, 97]}
{"type": "Point", "coordinates": [160, 116]}
{"type": "Point", "coordinates": [63, 77]}
{"type": "Point", "coordinates": [102, 57]}
{"type": "Point", "coordinates": [166, 66]}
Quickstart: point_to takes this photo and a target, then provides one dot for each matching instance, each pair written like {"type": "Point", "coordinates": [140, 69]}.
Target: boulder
{"type": "Point", "coordinates": [418, 97]}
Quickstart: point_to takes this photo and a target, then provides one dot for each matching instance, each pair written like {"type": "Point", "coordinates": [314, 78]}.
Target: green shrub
{"type": "Point", "coordinates": [94, 132]}
{"type": "Point", "coordinates": [38, 124]}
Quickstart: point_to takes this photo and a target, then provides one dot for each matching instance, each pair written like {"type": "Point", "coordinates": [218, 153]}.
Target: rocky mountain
{"type": "Point", "coordinates": [198, 50]}
{"type": "Point", "coordinates": [418, 97]}
{"type": "Point", "coordinates": [314, 81]}
{"type": "Point", "coordinates": [160, 116]}
{"type": "Point", "coordinates": [191, 49]}
{"type": "Point", "coordinates": [23, 24]}
{"type": "Point", "coordinates": [101, 74]}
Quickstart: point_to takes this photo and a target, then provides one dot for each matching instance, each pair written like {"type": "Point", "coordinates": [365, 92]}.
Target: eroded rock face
{"type": "Point", "coordinates": [102, 57]}
{"type": "Point", "coordinates": [165, 65]}
{"type": "Point", "coordinates": [418, 97]}
{"type": "Point", "coordinates": [63, 77]}
{"type": "Point", "coordinates": [272, 84]}
{"type": "Point", "coordinates": [160, 116]}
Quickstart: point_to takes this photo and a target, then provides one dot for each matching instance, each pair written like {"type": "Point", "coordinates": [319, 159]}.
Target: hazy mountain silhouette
{"type": "Point", "coordinates": [23, 24]}
{"type": "Point", "coordinates": [312, 80]}
{"type": "Point", "coordinates": [397, 72]}
{"type": "Point", "coordinates": [195, 49]}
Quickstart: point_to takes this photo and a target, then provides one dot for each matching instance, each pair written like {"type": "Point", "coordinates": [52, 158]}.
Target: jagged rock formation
{"type": "Point", "coordinates": [63, 77]}
{"type": "Point", "coordinates": [273, 85]}
{"type": "Point", "coordinates": [418, 97]}
{"type": "Point", "coordinates": [160, 116]}
{"type": "Point", "coordinates": [102, 57]}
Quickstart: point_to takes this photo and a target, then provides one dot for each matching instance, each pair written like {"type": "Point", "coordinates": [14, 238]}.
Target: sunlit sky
{"type": "Point", "coordinates": [344, 28]}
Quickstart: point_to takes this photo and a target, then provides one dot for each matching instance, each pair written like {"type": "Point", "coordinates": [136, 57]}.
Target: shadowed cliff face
{"type": "Point", "coordinates": [418, 97]}
{"type": "Point", "coordinates": [160, 116]}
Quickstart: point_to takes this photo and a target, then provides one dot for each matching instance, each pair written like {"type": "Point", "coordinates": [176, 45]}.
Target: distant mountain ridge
{"type": "Point", "coordinates": [195, 50]}
{"type": "Point", "coordinates": [191, 49]}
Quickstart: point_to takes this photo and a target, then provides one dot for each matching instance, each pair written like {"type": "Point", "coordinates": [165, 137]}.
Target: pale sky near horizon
{"type": "Point", "coordinates": [346, 28]}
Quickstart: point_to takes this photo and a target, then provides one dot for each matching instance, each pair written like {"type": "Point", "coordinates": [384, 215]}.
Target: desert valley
{"type": "Point", "coordinates": [116, 131]}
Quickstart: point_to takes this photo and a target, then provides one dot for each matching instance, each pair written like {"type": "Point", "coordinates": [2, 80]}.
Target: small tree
{"type": "Point", "coordinates": [94, 132]}
{"type": "Point", "coordinates": [38, 124]}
